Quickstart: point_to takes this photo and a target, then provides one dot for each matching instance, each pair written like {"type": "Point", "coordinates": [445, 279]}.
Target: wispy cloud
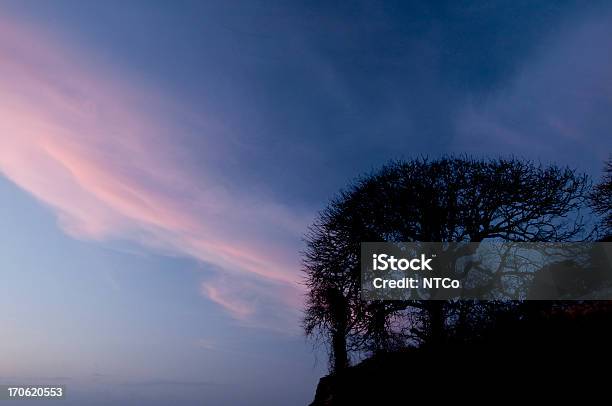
{"type": "Point", "coordinates": [165, 382]}
{"type": "Point", "coordinates": [106, 156]}
{"type": "Point", "coordinates": [206, 343]}
{"type": "Point", "coordinates": [254, 302]}
{"type": "Point", "coordinates": [556, 107]}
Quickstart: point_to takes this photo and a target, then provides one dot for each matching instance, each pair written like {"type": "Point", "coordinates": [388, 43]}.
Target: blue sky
{"type": "Point", "coordinates": [161, 161]}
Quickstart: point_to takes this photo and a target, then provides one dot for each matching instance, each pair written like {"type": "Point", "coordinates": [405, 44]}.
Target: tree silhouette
{"type": "Point", "coordinates": [450, 199]}
{"type": "Point", "coordinates": [601, 200]}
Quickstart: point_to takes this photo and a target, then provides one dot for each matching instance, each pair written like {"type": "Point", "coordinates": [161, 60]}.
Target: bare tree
{"type": "Point", "coordinates": [451, 199]}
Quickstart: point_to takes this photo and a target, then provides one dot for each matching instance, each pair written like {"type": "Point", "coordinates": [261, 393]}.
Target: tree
{"type": "Point", "coordinates": [450, 199]}
{"type": "Point", "coordinates": [601, 200]}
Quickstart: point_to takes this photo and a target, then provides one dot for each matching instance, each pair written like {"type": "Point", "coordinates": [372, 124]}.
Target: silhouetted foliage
{"type": "Point", "coordinates": [450, 199]}
{"type": "Point", "coordinates": [601, 200]}
{"type": "Point", "coordinates": [554, 352]}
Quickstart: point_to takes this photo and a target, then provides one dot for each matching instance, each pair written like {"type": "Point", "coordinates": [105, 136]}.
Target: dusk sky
{"type": "Point", "coordinates": [161, 161]}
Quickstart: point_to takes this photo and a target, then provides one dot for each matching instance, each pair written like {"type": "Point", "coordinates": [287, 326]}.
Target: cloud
{"type": "Point", "coordinates": [206, 343]}
{"type": "Point", "coordinates": [107, 156]}
{"type": "Point", "coordinates": [257, 303]}
{"type": "Point", "coordinates": [556, 107]}
{"type": "Point", "coordinates": [166, 382]}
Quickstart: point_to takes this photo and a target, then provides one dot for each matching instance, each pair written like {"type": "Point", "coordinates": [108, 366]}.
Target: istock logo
{"type": "Point", "coordinates": [383, 262]}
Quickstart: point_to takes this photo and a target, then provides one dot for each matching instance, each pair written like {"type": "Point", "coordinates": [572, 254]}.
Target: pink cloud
{"type": "Point", "coordinates": [250, 301]}
{"type": "Point", "coordinates": [225, 296]}
{"type": "Point", "coordinates": [95, 150]}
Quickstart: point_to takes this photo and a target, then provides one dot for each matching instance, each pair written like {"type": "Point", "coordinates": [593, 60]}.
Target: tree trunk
{"type": "Point", "coordinates": [339, 310]}
{"type": "Point", "coordinates": [436, 323]}
{"type": "Point", "coordinates": [339, 351]}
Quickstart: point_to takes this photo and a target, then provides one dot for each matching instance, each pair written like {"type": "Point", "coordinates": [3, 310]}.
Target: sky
{"type": "Point", "coordinates": [160, 162]}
